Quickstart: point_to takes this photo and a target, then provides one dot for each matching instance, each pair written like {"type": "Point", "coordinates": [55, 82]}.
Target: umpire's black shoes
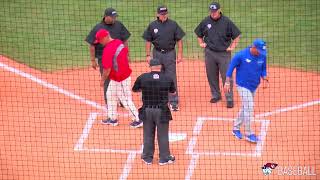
{"type": "Point", "coordinates": [215, 99]}
{"type": "Point", "coordinates": [169, 160]}
{"type": "Point", "coordinates": [229, 104]}
{"type": "Point", "coordinates": [147, 161]}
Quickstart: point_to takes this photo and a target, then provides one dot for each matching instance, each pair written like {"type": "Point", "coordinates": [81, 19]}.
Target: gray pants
{"type": "Point", "coordinates": [246, 111]}
{"type": "Point", "coordinates": [168, 61]}
{"type": "Point", "coordinates": [218, 62]}
{"type": "Point", "coordinates": [106, 82]}
{"type": "Point", "coordinates": [150, 124]}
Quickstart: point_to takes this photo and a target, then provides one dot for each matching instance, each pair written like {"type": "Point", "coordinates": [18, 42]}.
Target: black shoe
{"type": "Point", "coordinates": [215, 100]}
{"type": "Point", "coordinates": [169, 160]}
{"type": "Point", "coordinates": [229, 104]}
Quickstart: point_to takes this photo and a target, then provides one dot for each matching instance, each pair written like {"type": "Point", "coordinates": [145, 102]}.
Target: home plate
{"type": "Point", "coordinates": [177, 136]}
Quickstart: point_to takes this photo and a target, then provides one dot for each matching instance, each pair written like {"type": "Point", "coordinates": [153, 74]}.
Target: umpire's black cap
{"type": "Point", "coordinates": [154, 62]}
{"type": "Point", "coordinates": [163, 10]}
{"type": "Point", "coordinates": [214, 6]}
{"type": "Point", "coordinates": [110, 12]}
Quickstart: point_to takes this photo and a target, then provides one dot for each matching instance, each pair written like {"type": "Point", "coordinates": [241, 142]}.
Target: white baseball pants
{"type": "Point", "coordinates": [121, 91]}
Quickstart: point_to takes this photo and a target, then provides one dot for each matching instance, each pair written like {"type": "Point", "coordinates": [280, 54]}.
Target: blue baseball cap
{"type": "Point", "coordinates": [214, 6]}
{"type": "Point", "coordinates": [261, 46]}
{"type": "Point", "coordinates": [154, 62]}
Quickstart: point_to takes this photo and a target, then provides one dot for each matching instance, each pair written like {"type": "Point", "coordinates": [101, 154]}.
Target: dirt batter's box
{"type": "Point", "coordinates": [199, 126]}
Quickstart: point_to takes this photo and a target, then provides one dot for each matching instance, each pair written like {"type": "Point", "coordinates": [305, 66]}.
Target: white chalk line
{"type": "Point", "coordinates": [260, 144]}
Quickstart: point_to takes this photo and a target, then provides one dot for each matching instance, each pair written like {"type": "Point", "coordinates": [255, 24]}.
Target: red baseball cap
{"type": "Point", "coordinates": [100, 35]}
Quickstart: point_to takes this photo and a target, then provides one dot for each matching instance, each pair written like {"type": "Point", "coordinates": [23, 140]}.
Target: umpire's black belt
{"type": "Point", "coordinates": [153, 106]}
{"type": "Point", "coordinates": [163, 50]}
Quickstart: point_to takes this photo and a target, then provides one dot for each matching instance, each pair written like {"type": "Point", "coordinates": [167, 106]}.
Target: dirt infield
{"type": "Point", "coordinates": [49, 128]}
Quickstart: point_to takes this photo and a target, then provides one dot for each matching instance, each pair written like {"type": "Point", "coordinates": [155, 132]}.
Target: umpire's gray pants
{"type": "Point", "coordinates": [150, 124]}
{"type": "Point", "coordinates": [106, 82]}
{"type": "Point", "coordinates": [246, 111]}
{"type": "Point", "coordinates": [218, 62]}
{"type": "Point", "coordinates": [168, 61]}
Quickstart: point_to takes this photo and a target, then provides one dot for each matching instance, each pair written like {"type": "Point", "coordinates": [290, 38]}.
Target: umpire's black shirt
{"type": "Point", "coordinates": [116, 30]}
{"type": "Point", "coordinates": [217, 34]}
{"type": "Point", "coordinates": [155, 87]}
{"type": "Point", "coordinates": [163, 35]}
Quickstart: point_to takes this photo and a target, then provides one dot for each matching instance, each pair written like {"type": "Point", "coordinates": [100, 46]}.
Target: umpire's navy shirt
{"type": "Point", "coordinates": [217, 34]}
{"type": "Point", "coordinates": [163, 35]}
{"type": "Point", "coordinates": [155, 87]}
{"type": "Point", "coordinates": [116, 30]}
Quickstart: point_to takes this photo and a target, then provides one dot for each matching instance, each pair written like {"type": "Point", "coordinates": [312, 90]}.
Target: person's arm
{"type": "Point", "coordinates": [201, 42]}
{"type": "Point", "coordinates": [180, 51]}
{"type": "Point", "coordinates": [265, 83]}
{"type": "Point", "coordinates": [94, 64]}
{"type": "Point", "coordinates": [148, 51]}
{"type": "Point", "coordinates": [137, 85]}
{"type": "Point", "coordinates": [104, 76]}
{"type": "Point", "coordinates": [234, 44]}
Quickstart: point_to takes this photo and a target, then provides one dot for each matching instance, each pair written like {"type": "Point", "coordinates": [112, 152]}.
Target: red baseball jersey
{"type": "Point", "coordinates": [115, 56]}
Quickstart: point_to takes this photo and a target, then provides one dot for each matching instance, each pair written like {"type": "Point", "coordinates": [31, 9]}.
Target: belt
{"type": "Point", "coordinates": [153, 106]}
{"type": "Point", "coordinates": [164, 50]}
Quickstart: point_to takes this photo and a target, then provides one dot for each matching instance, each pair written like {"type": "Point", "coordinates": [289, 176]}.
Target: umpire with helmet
{"type": "Point", "coordinates": [117, 31]}
{"type": "Point", "coordinates": [164, 34]}
{"type": "Point", "coordinates": [155, 113]}
{"type": "Point", "coordinates": [219, 36]}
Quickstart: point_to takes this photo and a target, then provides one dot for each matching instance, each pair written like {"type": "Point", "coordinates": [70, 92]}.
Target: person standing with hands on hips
{"type": "Point", "coordinates": [155, 113]}
{"type": "Point", "coordinates": [251, 65]}
{"type": "Point", "coordinates": [115, 63]}
{"type": "Point", "coordinates": [117, 31]}
{"type": "Point", "coordinates": [219, 36]}
{"type": "Point", "coordinates": [164, 33]}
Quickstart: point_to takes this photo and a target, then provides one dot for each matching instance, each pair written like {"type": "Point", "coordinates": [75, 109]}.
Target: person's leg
{"type": "Point", "coordinates": [112, 100]}
{"type": "Point", "coordinates": [148, 136]}
{"type": "Point", "coordinates": [125, 96]}
{"type": "Point", "coordinates": [163, 136]}
{"type": "Point", "coordinates": [224, 61]}
{"type": "Point", "coordinates": [169, 67]}
{"type": "Point", "coordinates": [246, 112]}
{"type": "Point", "coordinates": [106, 84]}
{"type": "Point", "coordinates": [212, 71]}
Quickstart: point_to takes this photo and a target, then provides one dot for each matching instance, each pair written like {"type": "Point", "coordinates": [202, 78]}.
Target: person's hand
{"type": "Point", "coordinates": [203, 45]}
{"type": "Point", "coordinates": [229, 49]}
{"type": "Point", "coordinates": [179, 58]}
{"type": "Point", "coordinates": [148, 58]}
{"type": "Point", "coordinates": [101, 83]}
{"type": "Point", "coordinates": [227, 87]}
{"type": "Point", "coordinates": [265, 83]}
{"type": "Point", "coordinates": [94, 64]}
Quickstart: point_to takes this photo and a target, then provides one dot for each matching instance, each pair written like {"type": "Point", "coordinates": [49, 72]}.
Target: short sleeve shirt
{"type": "Point", "coordinates": [155, 87]}
{"type": "Point", "coordinates": [116, 30]}
{"type": "Point", "coordinates": [119, 64]}
{"type": "Point", "coordinates": [217, 34]}
{"type": "Point", "coordinates": [163, 35]}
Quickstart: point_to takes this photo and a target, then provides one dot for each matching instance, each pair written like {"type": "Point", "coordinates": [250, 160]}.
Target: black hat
{"type": "Point", "coordinates": [162, 10]}
{"type": "Point", "coordinates": [214, 6]}
{"type": "Point", "coordinates": [110, 12]}
{"type": "Point", "coordinates": [154, 62]}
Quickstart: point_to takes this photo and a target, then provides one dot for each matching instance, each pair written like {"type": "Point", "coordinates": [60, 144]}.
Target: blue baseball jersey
{"type": "Point", "coordinates": [250, 69]}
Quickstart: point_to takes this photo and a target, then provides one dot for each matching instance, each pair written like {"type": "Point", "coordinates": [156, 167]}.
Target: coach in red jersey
{"type": "Point", "coordinates": [115, 65]}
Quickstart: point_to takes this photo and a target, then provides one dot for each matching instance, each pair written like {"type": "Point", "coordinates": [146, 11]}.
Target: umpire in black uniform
{"type": "Point", "coordinates": [219, 36]}
{"type": "Point", "coordinates": [164, 33]}
{"type": "Point", "coordinates": [117, 31]}
{"type": "Point", "coordinates": [155, 113]}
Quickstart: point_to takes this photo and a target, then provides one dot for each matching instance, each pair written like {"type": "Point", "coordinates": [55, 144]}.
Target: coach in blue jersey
{"type": "Point", "coordinates": [251, 67]}
{"type": "Point", "coordinates": [219, 36]}
{"type": "Point", "coordinates": [164, 34]}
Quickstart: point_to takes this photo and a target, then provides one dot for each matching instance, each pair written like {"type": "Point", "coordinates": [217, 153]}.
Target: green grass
{"type": "Point", "coordinates": [49, 35]}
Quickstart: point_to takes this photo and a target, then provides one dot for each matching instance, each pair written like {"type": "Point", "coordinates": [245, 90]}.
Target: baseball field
{"type": "Point", "coordinates": [51, 103]}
